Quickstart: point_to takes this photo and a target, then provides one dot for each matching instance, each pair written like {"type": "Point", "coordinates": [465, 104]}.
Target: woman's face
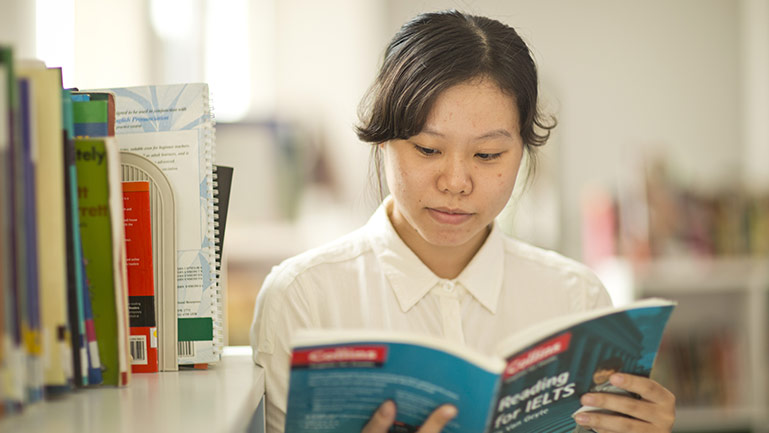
{"type": "Point", "coordinates": [452, 179]}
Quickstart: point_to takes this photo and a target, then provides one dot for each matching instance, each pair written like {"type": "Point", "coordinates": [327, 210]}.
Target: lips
{"type": "Point", "coordinates": [449, 216]}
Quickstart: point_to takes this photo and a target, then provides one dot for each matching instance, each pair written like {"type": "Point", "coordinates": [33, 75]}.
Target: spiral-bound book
{"type": "Point", "coordinates": [173, 126]}
{"type": "Point", "coordinates": [222, 187]}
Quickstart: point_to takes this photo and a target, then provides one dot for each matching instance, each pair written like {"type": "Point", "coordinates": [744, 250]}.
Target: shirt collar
{"type": "Point", "coordinates": [411, 280]}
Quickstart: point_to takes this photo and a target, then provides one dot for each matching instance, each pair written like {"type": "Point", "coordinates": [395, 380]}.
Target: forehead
{"type": "Point", "coordinates": [478, 105]}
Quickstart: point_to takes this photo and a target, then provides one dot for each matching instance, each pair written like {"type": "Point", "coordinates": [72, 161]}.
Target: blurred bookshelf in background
{"type": "Point", "coordinates": [709, 250]}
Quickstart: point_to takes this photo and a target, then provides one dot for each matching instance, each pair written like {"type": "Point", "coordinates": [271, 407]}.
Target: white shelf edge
{"type": "Point", "coordinates": [705, 419]}
{"type": "Point", "coordinates": [687, 275]}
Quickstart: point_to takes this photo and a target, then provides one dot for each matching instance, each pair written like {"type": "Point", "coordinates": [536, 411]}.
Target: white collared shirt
{"type": "Point", "coordinates": [370, 279]}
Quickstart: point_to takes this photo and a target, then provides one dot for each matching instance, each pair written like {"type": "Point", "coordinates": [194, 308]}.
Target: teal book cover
{"type": "Point", "coordinates": [339, 378]}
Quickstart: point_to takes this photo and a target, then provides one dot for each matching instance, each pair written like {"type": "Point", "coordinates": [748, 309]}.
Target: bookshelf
{"type": "Point", "coordinates": [716, 347]}
{"type": "Point", "coordinates": [225, 398]}
{"type": "Point", "coordinates": [709, 250]}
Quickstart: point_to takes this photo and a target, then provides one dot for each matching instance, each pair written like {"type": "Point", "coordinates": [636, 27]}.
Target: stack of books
{"type": "Point", "coordinates": [111, 228]}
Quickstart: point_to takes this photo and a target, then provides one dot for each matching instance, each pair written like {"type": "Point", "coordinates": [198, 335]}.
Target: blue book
{"type": "Point", "coordinates": [92, 346]}
{"type": "Point", "coordinates": [27, 244]}
{"type": "Point", "coordinates": [75, 279]}
{"type": "Point", "coordinates": [340, 377]}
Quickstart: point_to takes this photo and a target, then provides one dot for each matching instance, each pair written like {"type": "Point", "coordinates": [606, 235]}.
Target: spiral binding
{"type": "Point", "coordinates": [214, 259]}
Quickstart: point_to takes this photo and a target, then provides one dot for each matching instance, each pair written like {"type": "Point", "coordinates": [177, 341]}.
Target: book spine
{"type": "Point", "coordinates": [120, 273]}
{"type": "Point", "coordinates": [141, 287]}
{"type": "Point", "coordinates": [74, 255]}
{"type": "Point", "coordinates": [27, 243]}
{"type": "Point", "coordinates": [12, 352]}
{"type": "Point", "coordinates": [92, 345]}
{"type": "Point", "coordinates": [51, 211]}
{"type": "Point", "coordinates": [95, 232]}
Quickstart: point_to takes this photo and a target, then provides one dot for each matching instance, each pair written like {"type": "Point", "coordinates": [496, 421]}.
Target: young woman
{"type": "Point", "coordinates": [452, 112]}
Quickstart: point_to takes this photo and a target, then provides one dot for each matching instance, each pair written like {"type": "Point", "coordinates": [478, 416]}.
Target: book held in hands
{"type": "Point", "coordinates": [340, 377]}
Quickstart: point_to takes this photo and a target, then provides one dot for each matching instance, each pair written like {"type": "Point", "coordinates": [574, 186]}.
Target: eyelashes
{"type": "Point", "coordinates": [488, 156]}
{"type": "Point", "coordinates": [427, 151]}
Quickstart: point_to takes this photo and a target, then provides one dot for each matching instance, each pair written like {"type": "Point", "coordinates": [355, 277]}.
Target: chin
{"type": "Point", "coordinates": [446, 238]}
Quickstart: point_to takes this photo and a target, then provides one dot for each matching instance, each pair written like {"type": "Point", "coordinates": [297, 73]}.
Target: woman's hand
{"type": "Point", "coordinates": [654, 412]}
{"type": "Point", "coordinates": [384, 418]}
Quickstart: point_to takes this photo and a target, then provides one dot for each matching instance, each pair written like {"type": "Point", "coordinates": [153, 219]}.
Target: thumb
{"type": "Point", "coordinates": [382, 419]}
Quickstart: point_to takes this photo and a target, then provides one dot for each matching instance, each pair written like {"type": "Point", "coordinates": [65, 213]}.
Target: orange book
{"type": "Point", "coordinates": [143, 338]}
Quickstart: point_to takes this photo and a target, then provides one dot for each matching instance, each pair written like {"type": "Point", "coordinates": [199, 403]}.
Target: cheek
{"type": "Point", "coordinates": [401, 180]}
{"type": "Point", "coordinates": [505, 180]}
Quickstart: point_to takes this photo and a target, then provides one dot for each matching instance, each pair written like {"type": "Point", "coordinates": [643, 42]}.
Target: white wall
{"type": "Point", "coordinates": [115, 50]}
{"type": "Point", "coordinates": [754, 17]}
{"type": "Point", "coordinates": [17, 26]}
{"type": "Point", "coordinates": [629, 76]}
{"type": "Point", "coordinates": [328, 53]}
{"type": "Point", "coordinates": [326, 56]}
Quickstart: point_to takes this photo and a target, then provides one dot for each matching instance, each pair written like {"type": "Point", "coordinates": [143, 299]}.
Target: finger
{"type": "Point", "coordinates": [605, 423]}
{"type": "Point", "coordinates": [382, 419]}
{"type": "Point", "coordinates": [641, 409]}
{"type": "Point", "coordinates": [647, 388]}
{"type": "Point", "coordinates": [438, 419]}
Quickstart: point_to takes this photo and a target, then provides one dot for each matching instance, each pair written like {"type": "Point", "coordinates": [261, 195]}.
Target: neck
{"type": "Point", "coordinates": [444, 261]}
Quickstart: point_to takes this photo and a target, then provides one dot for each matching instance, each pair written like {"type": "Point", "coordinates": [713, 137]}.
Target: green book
{"type": "Point", "coordinates": [98, 189]}
{"type": "Point", "coordinates": [94, 114]}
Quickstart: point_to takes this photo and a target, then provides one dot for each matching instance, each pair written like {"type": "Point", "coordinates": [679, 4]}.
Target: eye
{"type": "Point", "coordinates": [425, 150]}
{"type": "Point", "coordinates": [488, 156]}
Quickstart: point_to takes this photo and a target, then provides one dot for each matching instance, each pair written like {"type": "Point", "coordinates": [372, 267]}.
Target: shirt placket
{"type": "Point", "coordinates": [450, 312]}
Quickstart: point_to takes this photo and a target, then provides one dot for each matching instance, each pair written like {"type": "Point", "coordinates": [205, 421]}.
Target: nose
{"type": "Point", "coordinates": [455, 177]}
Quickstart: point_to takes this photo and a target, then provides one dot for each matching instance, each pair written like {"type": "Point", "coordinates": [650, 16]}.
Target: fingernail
{"type": "Point", "coordinates": [617, 379]}
{"type": "Point", "coordinates": [588, 400]}
{"type": "Point", "coordinates": [449, 411]}
{"type": "Point", "coordinates": [582, 419]}
{"type": "Point", "coordinates": [387, 409]}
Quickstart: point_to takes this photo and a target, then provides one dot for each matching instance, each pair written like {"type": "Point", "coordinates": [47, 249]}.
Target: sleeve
{"type": "Point", "coordinates": [588, 292]}
{"type": "Point", "coordinates": [596, 294]}
{"type": "Point", "coordinates": [279, 311]}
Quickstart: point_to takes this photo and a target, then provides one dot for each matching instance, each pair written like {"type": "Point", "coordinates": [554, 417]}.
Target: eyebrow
{"type": "Point", "coordinates": [491, 134]}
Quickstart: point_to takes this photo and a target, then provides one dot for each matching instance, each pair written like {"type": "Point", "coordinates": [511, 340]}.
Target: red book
{"type": "Point", "coordinates": [141, 284]}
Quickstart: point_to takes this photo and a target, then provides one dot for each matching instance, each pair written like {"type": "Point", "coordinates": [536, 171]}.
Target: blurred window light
{"type": "Point", "coordinates": [263, 49]}
{"type": "Point", "coordinates": [173, 20]}
{"type": "Point", "coordinates": [228, 57]}
{"type": "Point", "coordinates": [55, 36]}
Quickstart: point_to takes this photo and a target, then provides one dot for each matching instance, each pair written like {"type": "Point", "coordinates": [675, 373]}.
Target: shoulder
{"type": "Point", "coordinates": [306, 279]}
{"type": "Point", "coordinates": [548, 260]}
{"type": "Point", "coordinates": [547, 268]}
{"type": "Point", "coordinates": [285, 301]}
{"type": "Point", "coordinates": [327, 257]}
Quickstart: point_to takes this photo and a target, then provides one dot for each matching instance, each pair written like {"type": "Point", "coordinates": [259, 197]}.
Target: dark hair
{"type": "Point", "coordinates": [614, 363]}
{"type": "Point", "coordinates": [437, 50]}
